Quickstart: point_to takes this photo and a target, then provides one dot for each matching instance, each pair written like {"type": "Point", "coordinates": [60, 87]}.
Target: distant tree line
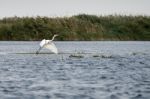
{"type": "Point", "coordinates": [78, 27]}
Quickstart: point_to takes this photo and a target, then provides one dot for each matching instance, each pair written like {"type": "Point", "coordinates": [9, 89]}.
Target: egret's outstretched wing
{"type": "Point", "coordinates": [51, 46]}
{"type": "Point", "coordinates": [43, 42]}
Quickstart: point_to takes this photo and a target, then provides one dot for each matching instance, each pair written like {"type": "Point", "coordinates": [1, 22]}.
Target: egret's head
{"type": "Point", "coordinates": [56, 35]}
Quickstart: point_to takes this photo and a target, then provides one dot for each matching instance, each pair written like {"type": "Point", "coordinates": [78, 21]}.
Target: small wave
{"type": "Point", "coordinates": [3, 53]}
{"type": "Point", "coordinates": [138, 53]}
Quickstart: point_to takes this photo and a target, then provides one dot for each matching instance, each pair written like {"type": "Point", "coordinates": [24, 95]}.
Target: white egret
{"type": "Point", "coordinates": [48, 44]}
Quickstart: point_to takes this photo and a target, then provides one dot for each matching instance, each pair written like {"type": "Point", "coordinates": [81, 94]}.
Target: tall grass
{"type": "Point", "coordinates": [78, 27]}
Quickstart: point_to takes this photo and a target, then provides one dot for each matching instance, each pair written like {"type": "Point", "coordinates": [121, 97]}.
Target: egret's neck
{"type": "Point", "coordinates": [53, 37]}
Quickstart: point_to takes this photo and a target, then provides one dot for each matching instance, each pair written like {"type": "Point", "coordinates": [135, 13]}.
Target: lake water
{"type": "Point", "coordinates": [81, 70]}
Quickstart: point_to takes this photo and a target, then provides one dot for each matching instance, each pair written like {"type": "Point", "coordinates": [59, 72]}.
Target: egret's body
{"type": "Point", "coordinates": [49, 45]}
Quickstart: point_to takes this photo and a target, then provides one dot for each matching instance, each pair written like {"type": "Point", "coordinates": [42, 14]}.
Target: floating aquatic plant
{"type": "Point", "coordinates": [76, 56]}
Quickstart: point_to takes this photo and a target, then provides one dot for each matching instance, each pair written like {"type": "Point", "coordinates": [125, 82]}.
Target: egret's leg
{"type": "Point", "coordinates": [37, 52]}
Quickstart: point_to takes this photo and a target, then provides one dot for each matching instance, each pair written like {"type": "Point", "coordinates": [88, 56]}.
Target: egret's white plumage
{"type": "Point", "coordinates": [42, 43]}
{"type": "Point", "coordinates": [49, 45]}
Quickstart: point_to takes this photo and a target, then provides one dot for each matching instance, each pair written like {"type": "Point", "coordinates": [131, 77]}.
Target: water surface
{"type": "Point", "coordinates": [81, 70]}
